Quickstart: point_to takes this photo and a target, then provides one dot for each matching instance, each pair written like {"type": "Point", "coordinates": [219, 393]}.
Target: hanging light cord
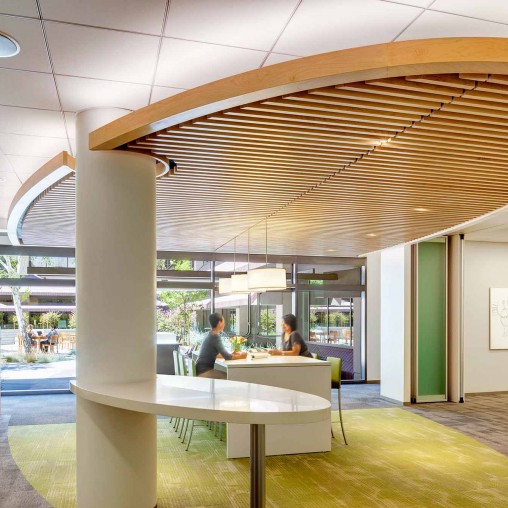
{"type": "Point", "coordinates": [266, 241]}
{"type": "Point", "coordinates": [234, 258]}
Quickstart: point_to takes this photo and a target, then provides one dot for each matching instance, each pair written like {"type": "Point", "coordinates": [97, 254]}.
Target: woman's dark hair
{"type": "Point", "coordinates": [290, 320]}
{"type": "Point", "coordinates": [215, 319]}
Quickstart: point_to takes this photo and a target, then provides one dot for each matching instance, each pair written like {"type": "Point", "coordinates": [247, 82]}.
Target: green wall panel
{"type": "Point", "coordinates": [431, 319]}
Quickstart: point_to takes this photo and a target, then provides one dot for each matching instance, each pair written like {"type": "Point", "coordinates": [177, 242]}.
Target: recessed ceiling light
{"type": "Point", "coordinates": [371, 235]}
{"type": "Point", "coordinates": [8, 46]}
{"type": "Point", "coordinates": [420, 209]}
{"type": "Point", "coordinates": [330, 250]}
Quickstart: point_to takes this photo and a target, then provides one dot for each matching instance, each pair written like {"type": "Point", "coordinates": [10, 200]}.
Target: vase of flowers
{"type": "Point", "coordinates": [237, 342]}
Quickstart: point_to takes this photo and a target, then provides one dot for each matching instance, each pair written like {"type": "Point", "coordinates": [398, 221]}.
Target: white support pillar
{"type": "Point", "coordinates": [395, 324]}
{"type": "Point", "coordinates": [455, 319]}
{"type": "Point", "coordinates": [115, 291]}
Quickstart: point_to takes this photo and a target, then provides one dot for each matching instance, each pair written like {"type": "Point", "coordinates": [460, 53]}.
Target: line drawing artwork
{"type": "Point", "coordinates": [498, 318]}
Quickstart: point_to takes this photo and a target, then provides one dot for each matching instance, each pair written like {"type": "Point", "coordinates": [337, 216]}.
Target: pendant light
{"type": "Point", "coordinates": [225, 286]}
{"type": "Point", "coordinates": [267, 279]}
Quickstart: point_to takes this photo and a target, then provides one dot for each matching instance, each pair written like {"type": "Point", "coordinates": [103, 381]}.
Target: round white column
{"type": "Point", "coordinates": [115, 294]}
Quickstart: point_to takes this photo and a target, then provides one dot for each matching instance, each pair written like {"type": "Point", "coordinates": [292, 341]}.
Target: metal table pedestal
{"type": "Point", "coordinates": [257, 466]}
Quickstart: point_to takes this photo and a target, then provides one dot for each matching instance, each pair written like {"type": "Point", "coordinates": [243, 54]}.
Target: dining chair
{"type": "Point", "coordinates": [336, 369]}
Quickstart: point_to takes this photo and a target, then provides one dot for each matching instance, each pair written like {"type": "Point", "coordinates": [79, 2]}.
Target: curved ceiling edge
{"type": "Point", "coordinates": [429, 56]}
{"type": "Point", "coordinates": [46, 176]}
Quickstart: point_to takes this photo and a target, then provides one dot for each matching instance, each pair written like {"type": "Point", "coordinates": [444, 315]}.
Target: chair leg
{"type": "Point", "coordinates": [190, 435]}
{"type": "Point", "coordinates": [341, 422]}
{"type": "Point", "coordinates": [184, 421]}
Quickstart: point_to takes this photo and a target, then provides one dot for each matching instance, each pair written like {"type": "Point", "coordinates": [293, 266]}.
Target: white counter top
{"type": "Point", "coordinates": [210, 399]}
{"type": "Point", "coordinates": [276, 360]}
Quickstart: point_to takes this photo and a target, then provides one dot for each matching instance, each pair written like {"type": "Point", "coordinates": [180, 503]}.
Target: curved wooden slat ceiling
{"type": "Point", "coordinates": [346, 152]}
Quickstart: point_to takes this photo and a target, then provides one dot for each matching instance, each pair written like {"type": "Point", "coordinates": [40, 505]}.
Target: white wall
{"type": "Point", "coordinates": [373, 321]}
{"type": "Point", "coordinates": [485, 266]}
{"type": "Point", "coordinates": [395, 323]}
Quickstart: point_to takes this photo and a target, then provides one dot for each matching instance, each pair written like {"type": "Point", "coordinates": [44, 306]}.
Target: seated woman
{"type": "Point", "coordinates": [211, 348]}
{"type": "Point", "coordinates": [292, 340]}
{"type": "Point", "coordinates": [30, 332]}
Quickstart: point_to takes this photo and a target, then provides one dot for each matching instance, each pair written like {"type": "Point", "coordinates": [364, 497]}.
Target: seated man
{"type": "Point", "coordinates": [51, 338]}
{"type": "Point", "coordinates": [212, 347]}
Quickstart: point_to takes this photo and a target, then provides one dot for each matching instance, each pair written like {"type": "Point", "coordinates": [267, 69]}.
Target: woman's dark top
{"type": "Point", "coordinates": [211, 347]}
{"type": "Point", "coordinates": [296, 338]}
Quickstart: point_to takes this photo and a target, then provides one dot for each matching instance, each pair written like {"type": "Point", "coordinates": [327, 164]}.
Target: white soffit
{"type": "Point", "coordinates": [48, 175]}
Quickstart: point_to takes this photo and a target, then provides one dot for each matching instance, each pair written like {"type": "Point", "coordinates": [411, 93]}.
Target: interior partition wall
{"type": "Point", "coordinates": [430, 329]}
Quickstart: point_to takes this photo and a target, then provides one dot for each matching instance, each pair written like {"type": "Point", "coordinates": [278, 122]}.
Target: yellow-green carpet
{"type": "Point", "coordinates": [394, 459]}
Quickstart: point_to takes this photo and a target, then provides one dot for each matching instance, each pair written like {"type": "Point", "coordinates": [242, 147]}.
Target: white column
{"type": "Point", "coordinates": [373, 317]}
{"type": "Point", "coordinates": [455, 319]}
{"type": "Point", "coordinates": [395, 328]}
{"type": "Point", "coordinates": [116, 288]}
{"type": "Point", "coordinates": [357, 336]}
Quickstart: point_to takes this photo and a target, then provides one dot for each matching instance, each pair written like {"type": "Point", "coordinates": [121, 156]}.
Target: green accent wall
{"type": "Point", "coordinates": [431, 319]}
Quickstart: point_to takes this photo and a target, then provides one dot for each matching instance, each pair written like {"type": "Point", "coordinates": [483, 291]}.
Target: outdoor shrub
{"type": "Point", "coordinates": [12, 358]}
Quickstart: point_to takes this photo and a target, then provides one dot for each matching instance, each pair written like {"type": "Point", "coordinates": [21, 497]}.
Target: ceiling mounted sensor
{"type": "Point", "coordinates": [8, 46]}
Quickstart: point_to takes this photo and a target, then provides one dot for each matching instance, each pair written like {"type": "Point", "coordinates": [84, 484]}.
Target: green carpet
{"type": "Point", "coordinates": [395, 459]}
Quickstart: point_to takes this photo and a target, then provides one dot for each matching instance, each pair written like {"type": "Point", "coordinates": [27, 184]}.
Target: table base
{"type": "Point", "coordinates": [257, 466]}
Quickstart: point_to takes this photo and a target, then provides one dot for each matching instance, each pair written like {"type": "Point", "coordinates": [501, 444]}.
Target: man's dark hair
{"type": "Point", "coordinates": [215, 319]}
{"type": "Point", "coordinates": [290, 320]}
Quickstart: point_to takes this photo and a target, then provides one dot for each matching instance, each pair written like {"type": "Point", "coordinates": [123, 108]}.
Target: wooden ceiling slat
{"type": "Point", "coordinates": [349, 109]}
{"type": "Point", "coordinates": [364, 97]}
{"type": "Point", "coordinates": [371, 107]}
{"type": "Point", "coordinates": [443, 79]}
{"type": "Point", "coordinates": [384, 89]}
{"type": "Point", "coordinates": [329, 167]}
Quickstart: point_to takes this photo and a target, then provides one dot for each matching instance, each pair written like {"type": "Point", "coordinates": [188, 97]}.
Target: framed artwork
{"type": "Point", "coordinates": [498, 318]}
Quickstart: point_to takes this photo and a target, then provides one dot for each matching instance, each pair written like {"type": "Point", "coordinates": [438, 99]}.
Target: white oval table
{"type": "Point", "coordinates": [219, 401]}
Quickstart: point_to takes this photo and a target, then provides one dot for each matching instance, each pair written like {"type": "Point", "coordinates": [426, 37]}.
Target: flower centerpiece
{"type": "Point", "coordinates": [237, 342]}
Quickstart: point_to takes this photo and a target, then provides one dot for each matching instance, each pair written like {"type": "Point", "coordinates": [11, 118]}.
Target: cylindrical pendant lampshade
{"type": "Point", "coordinates": [225, 286]}
{"type": "Point", "coordinates": [267, 279]}
{"type": "Point", "coordinates": [239, 283]}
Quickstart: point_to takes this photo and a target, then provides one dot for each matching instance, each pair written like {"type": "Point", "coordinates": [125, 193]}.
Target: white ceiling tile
{"type": "Point", "coordinates": [5, 165]}
{"type": "Point", "coordinates": [275, 58]}
{"type": "Point", "coordinates": [70, 120]}
{"type": "Point", "coordinates": [242, 23]}
{"type": "Point", "coordinates": [19, 7]}
{"type": "Point", "coordinates": [493, 10]}
{"type": "Point", "coordinates": [102, 54]}
{"type": "Point", "coordinates": [437, 24]}
{"type": "Point", "coordinates": [28, 34]}
{"type": "Point", "coordinates": [132, 15]}
{"type": "Point", "coordinates": [28, 89]}
{"type": "Point", "coordinates": [187, 64]}
{"type": "Point", "coordinates": [9, 179]}
{"type": "Point", "coordinates": [83, 93]}
{"type": "Point", "coordinates": [26, 165]}
{"type": "Point", "coordinates": [321, 25]}
{"type": "Point", "coordinates": [163, 92]}
{"type": "Point", "coordinates": [415, 3]}
{"type": "Point", "coordinates": [16, 144]}
{"type": "Point", "coordinates": [33, 122]}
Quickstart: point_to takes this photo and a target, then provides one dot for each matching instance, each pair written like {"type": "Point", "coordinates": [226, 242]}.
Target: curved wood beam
{"type": "Point", "coordinates": [46, 176]}
{"type": "Point", "coordinates": [429, 56]}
